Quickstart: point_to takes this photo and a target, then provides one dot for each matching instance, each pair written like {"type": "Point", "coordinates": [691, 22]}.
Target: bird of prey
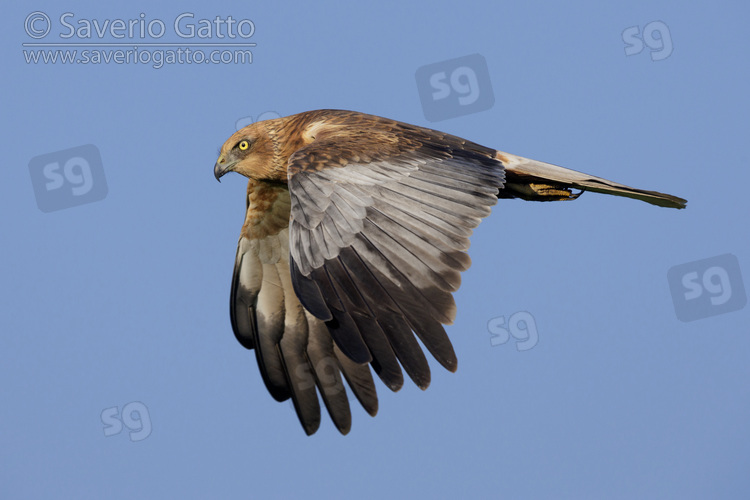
{"type": "Point", "coordinates": [354, 240]}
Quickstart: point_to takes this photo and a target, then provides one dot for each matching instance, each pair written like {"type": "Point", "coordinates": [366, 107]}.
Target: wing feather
{"type": "Point", "coordinates": [381, 248]}
{"type": "Point", "coordinates": [296, 354]}
{"type": "Point", "coordinates": [269, 314]}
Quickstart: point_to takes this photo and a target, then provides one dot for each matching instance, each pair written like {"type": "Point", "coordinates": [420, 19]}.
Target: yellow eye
{"type": "Point", "coordinates": [243, 145]}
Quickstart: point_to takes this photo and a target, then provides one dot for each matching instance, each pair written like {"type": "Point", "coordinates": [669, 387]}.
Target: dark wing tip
{"type": "Point", "coordinates": [310, 428]}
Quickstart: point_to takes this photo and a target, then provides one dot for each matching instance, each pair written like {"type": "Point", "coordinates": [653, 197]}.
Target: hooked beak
{"type": "Point", "coordinates": [222, 166]}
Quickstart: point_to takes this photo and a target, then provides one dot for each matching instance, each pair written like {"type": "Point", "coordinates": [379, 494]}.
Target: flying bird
{"type": "Point", "coordinates": [356, 233]}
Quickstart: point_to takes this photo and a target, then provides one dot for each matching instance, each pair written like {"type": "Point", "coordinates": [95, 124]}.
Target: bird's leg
{"type": "Point", "coordinates": [538, 192]}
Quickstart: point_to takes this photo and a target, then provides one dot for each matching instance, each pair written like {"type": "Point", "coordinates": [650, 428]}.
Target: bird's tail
{"type": "Point", "coordinates": [538, 181]}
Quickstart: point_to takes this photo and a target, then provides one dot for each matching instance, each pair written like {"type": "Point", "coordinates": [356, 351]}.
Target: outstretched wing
{"type": "Point", "coordinates": [380, 225]}
{"type": "Point", "coordinates": [294, 350]}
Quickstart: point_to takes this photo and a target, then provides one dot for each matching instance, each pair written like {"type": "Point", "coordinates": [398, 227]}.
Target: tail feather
{"type": "Point", "coordinates": [538, 181]}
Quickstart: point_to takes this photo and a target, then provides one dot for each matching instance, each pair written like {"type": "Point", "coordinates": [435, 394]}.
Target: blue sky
{"type": "Point", "coordinates": [120, 302]}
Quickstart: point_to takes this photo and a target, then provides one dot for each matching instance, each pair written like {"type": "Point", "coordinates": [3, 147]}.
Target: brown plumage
{"type": "Point", "coordinates": [354, 239]}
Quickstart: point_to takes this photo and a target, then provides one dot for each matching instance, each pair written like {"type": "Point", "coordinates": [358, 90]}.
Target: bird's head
{"type": "Point", "coordinates": [249, 151]}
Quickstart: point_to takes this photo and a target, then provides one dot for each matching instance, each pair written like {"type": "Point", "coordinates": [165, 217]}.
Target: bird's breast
{"type": "Point", "coordinates": [268, 207]}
